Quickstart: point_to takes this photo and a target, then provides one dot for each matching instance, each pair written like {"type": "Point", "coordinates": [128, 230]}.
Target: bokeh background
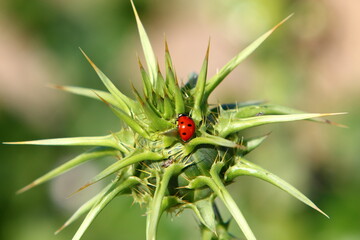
{"type": "Point", "coordinates": [310, 63]}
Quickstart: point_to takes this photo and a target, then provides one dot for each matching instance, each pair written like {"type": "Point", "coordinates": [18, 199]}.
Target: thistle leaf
{"type": "Point", "coordinates": [229, 202]}
{"type": "Point", "coordinates": [200, 163]}
{"type": "Point", "coordinates": [251, 143]}
{"type": "Point", "coordinates": [127, 104]}
{"type": "Point", "coordinates": [226, 126]}
{"type": "Point", "coordinates": [218, 187]}
{"type": "Point", "coordinates": [244, 167]}
{"type": "Point", "coordinates": [104, 141]}
{"type": "Point", "coordinates": [88, 92]}
{"type": "Point", "coordinates": [133, 124]}
{"type": "Point", "coordinates": [133, 158]}
{"type": "Point", "coordinates": [103, 201]}
{"type": "Point", "coordinates": [146, 81]}
{"type": "Point", "coordinates": [174, 88]}
{"type": "Point", "coordinates": [89, 155]}
{"type": "Point", "coordinates": [204, 211]}
{"type": "Point", "coordinates": [228, 109]}
{"type": "Point", "coordinates": [168, 61]}
{"type": "Point", "coordinates": [233, 63]}
{"type": "Point", "coordinates": [170, 201]}
{"type": "Point", "coordinates": [168, 108]}
{"type": "Point", "coordinates": [209, 139]}
{"type": "Point", "coordinates": [237, 105]}
{"type": "Point", "coordinates": [147, 48]}
{"type": "Point", "coordinates": [214, 182]}
{"type": "Point", "coordinates": [198, 182]}
{"type": "Point", "coordinates": [155, 206]}
{"type": "Point", "coordinates": [86, 207]}
{"type": "Point", "coordinates": [273, 109]}
{"type": "Point", "coordinates": [156, 122]}
{"type": "Point", "coordinates": [160, 88]}
{"type": "Point", "coordinates": [199, 90]}
{"type": "Point", "coordinates": [126, 137]}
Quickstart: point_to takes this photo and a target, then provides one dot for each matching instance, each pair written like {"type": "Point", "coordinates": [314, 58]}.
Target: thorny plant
{"type": "Point", "coordinates": [155, 166]}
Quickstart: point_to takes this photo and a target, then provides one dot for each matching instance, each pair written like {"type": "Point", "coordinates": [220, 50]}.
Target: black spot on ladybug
{"type": "Point", "coordinates": [183, 133]}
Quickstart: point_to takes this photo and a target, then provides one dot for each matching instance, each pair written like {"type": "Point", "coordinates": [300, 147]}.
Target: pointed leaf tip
{"type": "Point", "coordinates": [166, 45]}
{"type": "Point", "coordinates": [104, 199]}
{"type": "Point", "coordinates": [125, 103]}
{"type": "Point", "coordinates": [60, 229]}
{"type": "Point", "coordinates": [147, 48]}
{"type": "Point", "coordinates": [219, 188]}
{"type": "Point", "coordinates": [234, 62]}
{"type": "Point", "coordinates": [80, 189]}
{"type": "Point", "coordinates": [247, 168]}
{"type": "Point", "coordinates": [236, 125]}
{"type": "Point", "coordinates": [102, 99]}
{"type": "Point", "coordinates": [327, 121]}
{"type": "Point", "coordinates": [199, 100]}
{"type": "Point", "coordinates": [282, 22]}
{"type": "Point", "coordinates": [55, 86]}
{"type": "Point", "coordinates": [89, 60]}
{"type": "Point", "coordinates": [27, 187]}
{"type": "Point", "coordinates": [139, 62]}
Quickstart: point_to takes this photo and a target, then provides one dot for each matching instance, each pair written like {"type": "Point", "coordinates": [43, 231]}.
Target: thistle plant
{"type": "Point", "coordinates": [152, 161]}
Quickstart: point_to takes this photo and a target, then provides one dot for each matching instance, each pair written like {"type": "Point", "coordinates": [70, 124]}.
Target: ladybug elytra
{"type": "Point", "coordinates": [186, 127]}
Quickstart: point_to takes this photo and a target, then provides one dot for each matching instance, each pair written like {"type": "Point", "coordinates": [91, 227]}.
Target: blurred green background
{"type": "Point", "coordinates": [310, 63]}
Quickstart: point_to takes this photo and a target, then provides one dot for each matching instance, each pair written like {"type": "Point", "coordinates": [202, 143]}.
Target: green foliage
{"type": "Point", "coordinates": [160, 170]}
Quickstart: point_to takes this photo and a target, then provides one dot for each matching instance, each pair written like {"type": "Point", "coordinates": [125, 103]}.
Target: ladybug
{"type": "Point", "coordinates": [186, 127]}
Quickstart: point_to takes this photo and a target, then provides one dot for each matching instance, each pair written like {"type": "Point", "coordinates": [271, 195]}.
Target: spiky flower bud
{"type": "Point", "coordinates": [153, 162]}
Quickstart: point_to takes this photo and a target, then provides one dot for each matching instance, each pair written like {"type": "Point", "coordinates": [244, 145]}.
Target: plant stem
{"type": "Point", "coordinates": [218, 187]}
{"type": "Point", "coordinates": [154, 210]}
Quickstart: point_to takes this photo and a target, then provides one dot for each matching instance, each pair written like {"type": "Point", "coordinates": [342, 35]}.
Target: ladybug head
{"type": "Point", "coordinates": [183, 115]}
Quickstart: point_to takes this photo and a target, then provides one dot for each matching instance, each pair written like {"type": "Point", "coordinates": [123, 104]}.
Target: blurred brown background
{"type": "Point", "coordinates": [310, 63]}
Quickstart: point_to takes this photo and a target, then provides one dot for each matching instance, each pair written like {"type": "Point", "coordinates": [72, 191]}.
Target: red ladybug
{"type": "Point", "coordinates": [186, 127]}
